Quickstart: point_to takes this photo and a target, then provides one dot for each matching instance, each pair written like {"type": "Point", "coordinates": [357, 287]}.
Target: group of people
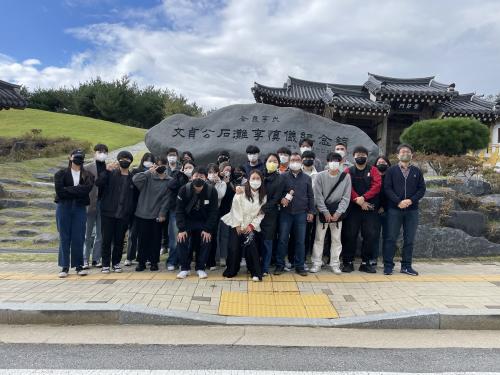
{"type": "Point", "coordinates": [273, 210]}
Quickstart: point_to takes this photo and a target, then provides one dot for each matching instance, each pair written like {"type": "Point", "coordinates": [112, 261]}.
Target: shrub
{"type": "Point", "coordinates": [493, 178]}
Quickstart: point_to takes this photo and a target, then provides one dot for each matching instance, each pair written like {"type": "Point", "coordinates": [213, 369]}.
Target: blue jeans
{"type": "Point", "coordinates": [71, 220]}
{"type": "Point", "coordinates": [93, 235]}
{"type": "Point", "coordinates": [266, 249]}
{"type": "Point", "coordinates": [173, 257]}
{"type": "Point", "coordinates": [382, 231]}
{"type": "Point", "coordinates": [395, 219]}
{"type": "Point", "coordinates": [298, 223]}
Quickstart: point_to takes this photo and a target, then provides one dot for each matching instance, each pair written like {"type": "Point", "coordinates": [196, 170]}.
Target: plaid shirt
{"type": "Point", "coordinates": [404, 171]}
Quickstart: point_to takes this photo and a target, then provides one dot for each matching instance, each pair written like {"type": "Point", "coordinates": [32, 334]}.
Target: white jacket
{"type": "Point", "coordinates": [245, 212]}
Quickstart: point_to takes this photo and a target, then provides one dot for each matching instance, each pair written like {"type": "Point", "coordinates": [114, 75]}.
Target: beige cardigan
{"type": "Point", "coordinates": [245, 212]}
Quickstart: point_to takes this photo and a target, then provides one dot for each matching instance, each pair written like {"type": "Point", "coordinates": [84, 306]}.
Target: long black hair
{"type": "Point", "coordinates": [262, 190]}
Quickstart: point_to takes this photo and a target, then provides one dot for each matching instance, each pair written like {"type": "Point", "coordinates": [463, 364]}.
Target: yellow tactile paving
{"type": "Point", "coordinates": [291, 312]}
{"type": "Point", "coordinates": [285, 287]}
{"type": "Point", "coordinates": [315, 299]}
{"type": "Point", "coordinates": [260, 287]}
{"type": "Point", "coordinates": [233, 309]}
{"type": "Point", "coordinates": [261, 299]}
{"type": "Point", "coordinates": [321, 312]}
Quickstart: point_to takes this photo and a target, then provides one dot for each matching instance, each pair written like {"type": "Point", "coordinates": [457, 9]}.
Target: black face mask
{"type": "Point", "coordinates": [237, 175]}
{"type": "Point", "coordinates": [161, 169]}
{"type": "Point", "coordinates": [382, 167]}
{"type": "Point", "coordinates": [308, 162]}
{"type": "Point", "coordinates": [78, 160]}
{"type": "Point", "coordinates": [124, 164]}
{"type": "Point", "coordinates": [360, 160]}
{"type": "Point", "coordinates": [198, 182]}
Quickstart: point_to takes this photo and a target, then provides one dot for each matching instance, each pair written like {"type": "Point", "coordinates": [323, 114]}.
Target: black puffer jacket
{"type": "Point", "coordinates": [274, 193]}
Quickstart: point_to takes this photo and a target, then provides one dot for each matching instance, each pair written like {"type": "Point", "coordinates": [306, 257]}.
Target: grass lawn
{"type": "Point", "coordinates": [18, 122]}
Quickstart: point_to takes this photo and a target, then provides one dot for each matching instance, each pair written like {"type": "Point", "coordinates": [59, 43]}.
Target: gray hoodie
{"type": "Point", "coordinates": [153, 197]}
{"type": "Point", "coordinates": [323, 184]}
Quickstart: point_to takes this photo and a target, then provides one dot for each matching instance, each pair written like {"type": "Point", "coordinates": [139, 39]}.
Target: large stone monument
{"type": "Point", "coordinates": [235, 127]}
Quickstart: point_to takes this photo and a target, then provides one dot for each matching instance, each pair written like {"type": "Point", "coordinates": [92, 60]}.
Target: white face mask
{"type": "Point", "coordinates": [101, 156]}
{"type": "Point", "coordinates": [284, 159]}
{"type": "Point", "coordinates": [255, 184]}
{"type": "Point", "coordinates": [226, 173]}
{"type": "Point", "coordinates": [212, 176]}
{"type": "Point", "coordinates": [252, 157]}
{"type": "Point", "coordinates": [340, 152]}
{"type": "Point", "coordinates": [334, 165]}
{"type": "Point", "coordinates": [188, 172]}
{"type": "Point", "coordinates": [295, 166]}
{"type": "Point", "coordinates": [304, 149]}
{"type": "Point", "coordinates": [148, 164]}
{"type": "Point", "coordinates": [172, 159]}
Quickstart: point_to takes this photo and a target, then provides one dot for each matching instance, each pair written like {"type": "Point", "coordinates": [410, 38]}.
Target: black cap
{"type": "Point", "coordinates": [78, 152]}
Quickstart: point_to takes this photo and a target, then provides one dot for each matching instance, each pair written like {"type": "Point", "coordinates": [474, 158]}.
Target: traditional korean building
{"type": "Point", "coordinates": [10, 96]}
{"type": "Point", "coordinates": [383, 106]}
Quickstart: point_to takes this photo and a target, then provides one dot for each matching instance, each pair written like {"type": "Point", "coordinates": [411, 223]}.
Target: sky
{"type": "Point", "coordinates": [212, 52]}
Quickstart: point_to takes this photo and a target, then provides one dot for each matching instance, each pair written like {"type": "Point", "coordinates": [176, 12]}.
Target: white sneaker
{"type": "Point", "coordinates": [170, 268]}
{"type": "Point", "coordinates": [202, 274]}
{"type": "Point", "coordinates": [105, 270]}
{"type": "Point", "coordinates": [63, 274]}
{"type": "Point", "coordinates": [183, 274]}
{"type": "Point", "coordinates": [265, 274]}
{"type": "Point", "coordinates": [213, 268]}
{"type": "Point", "coordinates": [306, 267]}
{"type": "Point", "coordinates": [117, 268]}
{"type": "Point", "coordinates": [128, 263]}
{"type": "Point", "coordinates": [86, 266]}
{"type": "Point", "coordinates": [315, 269]}
{"type": "Point", "coordinates": [222, 262]}
{"type": "Point", "coordinates": [255, 278]}
{"type": "Point", "coordinates": [82, 272]}
{"type": "Point", "coordinates": [336, 270]}
{"type": "Point", "coordinates": [243, 262]}
{"type": "Point", "coordinates": [288, 265]}
{"type": "Point", "coordinates": [163, 251]}
{"type": "Point", "coordinates": [98, 265]}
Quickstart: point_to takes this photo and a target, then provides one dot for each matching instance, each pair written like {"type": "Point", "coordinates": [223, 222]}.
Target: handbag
{"type": "Point", "coordinates": [332, 207]}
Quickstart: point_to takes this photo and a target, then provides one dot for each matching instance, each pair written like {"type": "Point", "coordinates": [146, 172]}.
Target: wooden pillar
{"type": "Point", "coordinates": [382, 136]}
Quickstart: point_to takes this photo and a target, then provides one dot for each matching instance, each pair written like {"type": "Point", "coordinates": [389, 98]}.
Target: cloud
{"type": "Point", "coordinates": [212, 52]}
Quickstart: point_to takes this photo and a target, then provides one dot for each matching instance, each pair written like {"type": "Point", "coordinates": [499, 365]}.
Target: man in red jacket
{"type": "Point", "coordinates": [362, 213]}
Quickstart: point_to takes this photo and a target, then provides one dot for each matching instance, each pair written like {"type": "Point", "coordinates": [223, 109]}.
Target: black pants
{"type": "Point", "coordinates": [164, 234]}
{"type": "Point", "coordinates": [149, 234]}
{"type": "Point", "coordinates": [358, 220]}
{"type": "Point", "coordinates": [113, 233]}
{"type": "Point", "coordinates": [132, 241]}
{"type": "Point", "coordinates": [234, 255]}
{"type": "Point", "coordinates": [194, 242]}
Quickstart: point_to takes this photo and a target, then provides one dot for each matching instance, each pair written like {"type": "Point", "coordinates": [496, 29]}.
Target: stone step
{"type": "Point", "coordinates": [47, 177]}
{"type": "Point", "coordinates": [28, 193]}
{"type": "Point", "coordinates": [15, 213]}
{"type": "Point", "coordinates": [18, 203]}
{"type": "Point", "coordinates": [11, 239]}
{"type": "Point", "coordinates": [33, 223]}
{"type": "Point", "coordinates": [26, 183]}
{"type": "Point", "coordinates": [25, 232]}
{"type": "Point", "coordinates": [46, 238]}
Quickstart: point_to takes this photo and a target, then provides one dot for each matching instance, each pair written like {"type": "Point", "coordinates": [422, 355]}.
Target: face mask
{"type": "Point", "coordinates": [237, 175]}
{"type": "Point", "coordinates": [124, 164]}
{"type": "Point", "coordinates": [148, 164]}
{"type": "Point", "coordinates": [212, 176]}
{"type": "Point", "coordinates": [101, 156]}
{"type": "Point", "coordinates": [188, 172]}
{"type": "Point", "coordinates": [404, 157]}
{"type": "Point", "coordinates": [304, 149]}
{"type": "Point", "coordinates": [198, 182]}
{"type": "Point", "coordinates": [333, 165]}
{"type": "Point", "coordinates": [382, 167]}
{"type": "Point", "coordinates": [226, 173]}
{"type": "Point", "coordinates": [252, 158]}
{"type": "Point", "coordinates": [295, 166]}
{"type": "Point", "coordinates": [284, 159]}
{"type": "Point", "coordinates": [172, 159]}
{"type": "Point", "coordinates": [161, 169]}
{"type": "Point", "coordinates": [340, 152]}
{"type": "Point", "coordinates": [308, 162]}
{"type": "Point", "coordinates": [255, 184]}
{"type": "Point", "coordinates": [78, 160]}
{"type": "Point", "coordinates": [360, 160]}
{"type": "Point", "coordinates": [271, 166]}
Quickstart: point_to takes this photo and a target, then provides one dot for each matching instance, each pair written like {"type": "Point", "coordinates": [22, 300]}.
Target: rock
{"type": "Point", "coordinates": [42, 204]}
{"type": "Point", "coordinates": [438, 191]}
{"type": "Point", "coordinates": [45, 238]}
{"type": "Point", "coordinates": [23, 193]}
{"type": "Point", "coordinates": [3, 192]}
{"type": "Point", "coordinates": [12, 203]}
{"type": "Point", "coordinates": [11, 239]}
{"type": "Point", "coordinates": [34, 223]}
{"type": "Point", "coordinates": [25, 232]}
{"type": "Point", "coordinates": [492, 198]}
{"type": "Point", "coordinates": [49, 177]}
{"type": "Point", "coordinates": [439, 182]}
{"type": "Point", "coordinates": [3, 222]}
{"type": "Point", "coordinates": [12, 181]}
{"type": "Point", "coordinates": [12, 213]}
{"type": "Point", "coordinates": [471, 222]}
{"type": "Point", "coordinates": [54, 170]}
{"type": "Point", "coordinates": [442, 242]}
{"type": "Point", "coordinates": [235, 127]}
{"type": "Point", "coordinates": [48, 214]}
{"type": "Point", "coordinates": [494, 234]}
{"type": "Point", "coordinates": [471, 186]}
{"type": "Point", "coordinates": [430, 210]}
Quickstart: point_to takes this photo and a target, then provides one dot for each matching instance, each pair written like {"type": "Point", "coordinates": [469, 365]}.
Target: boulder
{"type": "Point", "coordinates": [430, 210]}
{"type": "Point", "coordinates": [492, 198]}
{"type": "Point", "coordinates": [235, 127]}
{"type": "Point", "coordinates": [471, 222]}
{"type": "Point", "coordinates": [46, 238]}
{"type": "Point", "coordinates": [443, 242]}
{"type": "Point", "coordinates": [25, 232]}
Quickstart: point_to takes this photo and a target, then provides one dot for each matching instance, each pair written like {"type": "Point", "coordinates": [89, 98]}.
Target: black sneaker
{"type": "Point", "coordinates": [409, 271]}
{"type": "Point", "coordinates": [366, 267]}
{"type": "Point", "coordinates": [301, 271]}
{"type": "Point", "coordinates": [154, 267]}
{"type": "Point", "coordinates": [140, 267]}
{"type": "Point", "coordinates": [279, 270]}
{"type": "Point", "coordinates": [347, 267]}
{"type": "Point", "coordinates": [387, 270]}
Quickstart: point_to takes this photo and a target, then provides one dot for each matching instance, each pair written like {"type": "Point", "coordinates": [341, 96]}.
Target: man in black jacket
{"type": "Point", "coordinates": [404, 186]}
{"type": "Point", "coordinates": [196, 215]}
{"type": "Point", "coordinates": [117, 208]}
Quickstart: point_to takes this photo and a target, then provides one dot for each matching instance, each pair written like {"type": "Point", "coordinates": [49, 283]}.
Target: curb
{"type": "Point", "coordinates": [79, 314]}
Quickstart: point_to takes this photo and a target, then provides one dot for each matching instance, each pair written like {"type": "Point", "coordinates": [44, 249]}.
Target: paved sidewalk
{"type": "Point", "coordinates": [445, 286]}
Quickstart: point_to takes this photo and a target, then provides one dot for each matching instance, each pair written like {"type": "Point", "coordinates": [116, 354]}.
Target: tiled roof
{"type": "Point", "coordinates": [471, 105]}
{"type": "Point", "coordinates": [10, 96]}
